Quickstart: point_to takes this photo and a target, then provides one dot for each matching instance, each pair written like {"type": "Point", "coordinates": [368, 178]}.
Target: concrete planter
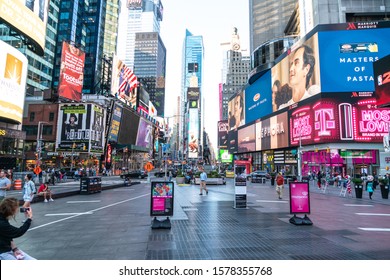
{"type": "Point", "coordinates": [180, 180]}
{"type": "Point", "coordinates": [211, 181]}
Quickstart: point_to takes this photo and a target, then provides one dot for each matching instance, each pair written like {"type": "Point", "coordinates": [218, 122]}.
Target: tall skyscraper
{"type": "Point", "coordinates": [191, 113]}
{"type": "Point", "coordinates": [136, 16]}
{"type": "Point", "coordinates": [150, 67]}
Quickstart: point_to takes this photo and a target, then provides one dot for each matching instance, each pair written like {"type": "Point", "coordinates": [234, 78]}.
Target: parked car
{"type": "Point", "coordinates": [161, 174]}
{"type": "Point", "coordinates": [140, 174]}
{"type": "Point", "coordinates": [258, 174]}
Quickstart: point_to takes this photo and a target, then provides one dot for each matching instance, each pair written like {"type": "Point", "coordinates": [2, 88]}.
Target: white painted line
{"type": "Point", "coordinates": [190, 209]}
{"type": "Point", "coordinates": [121, 190]}
{"type": "Point", "coordinates": [81, 201]}
{"type": "Point", "coordinates": [77, 215]}
{"type": "Point", "coordinates": [359, 205]}
{"type": "Point", "coordinates": [373, 214]}
{"type": "Point", "coordinates": [68, 214]}
{"type": "Point", "coordinates": [375, 229]}
{"type": "Point", "coordinates": [272, 201]}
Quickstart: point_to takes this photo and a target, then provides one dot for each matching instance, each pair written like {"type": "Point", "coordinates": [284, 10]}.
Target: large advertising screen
{"type": "Point", "coordinates": [145, 134]}
{"type": "Point", "coordinates": [129, 127]}
{"type": "Point", "coordinates": [115, 123]}
{"type": "Point", "coordinates": [232, 141]}
{"type": "Point", "coordinates": [258, 98]}
{"type": "Point", "coordinates": [272, 133]}
{"type": "Point", "coordinates": [193, 133]}
{"type": "Point", "coordinates": [123, 82]}
{"type": "Point", "coordinates": [97, 128]}
{"type": "Point", "coordinates": [297, 76]}
{"type": "Point", "coordinates": [161, 203]}
{"type": "Point", "coordinates": [27, 17]}
{"type": "Point", "coordinates": [339, 118]}
{"type": "Point", "coordinates": [223, 129]}
{"type": "Point", "coordinates": [347, 58]}
{"type": "Point", "coordinates": [225, 156]}
{"type": "Point", "coordinates": [299, 198]}
{"type": "Point", "coordinates": [246, 138]}
{"type": "Point", "coordinates": [13, 76]}
{"type": "Point", "coordinates": [382, 81]}
{"type": "Point", "coordinates": [71, 81]}
{"type": "Point", "coordinates": [143, 99]}
{"type": "Point", "coordinates": [236, 111]}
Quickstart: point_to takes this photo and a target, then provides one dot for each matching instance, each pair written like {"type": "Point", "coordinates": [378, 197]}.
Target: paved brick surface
{"type": "Point", "coordinates": [115, 225]}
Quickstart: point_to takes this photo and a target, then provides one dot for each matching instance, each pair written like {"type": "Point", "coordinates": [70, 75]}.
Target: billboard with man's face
{"type": "Point", "coordinates": [27, 17]}
{"type": "Point", "coordinates": [13, 76]}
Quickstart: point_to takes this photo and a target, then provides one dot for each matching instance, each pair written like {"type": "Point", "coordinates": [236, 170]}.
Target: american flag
{"type": "Point", "coordinates": [128, 79]}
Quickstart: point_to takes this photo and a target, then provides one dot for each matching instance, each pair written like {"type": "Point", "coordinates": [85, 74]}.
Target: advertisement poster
{"type": "Point", "coordinates": [272, 133]}
{"type": "Point", "coordinates": [258, 98]}
{"type": "Point", "coordinates": [297, 76]}
{"type": "Point", "coordinates": [98, 128]}
{"type": "Point", "coordinates": [27, 17]}
{"type": "Point", "coordinates": [382, 81]}
{"type": "Point", "coordinates": [236, 111]}
{"type": "Point", "coordinates": [299, 198]}
{"type": "Point", "coordinates": [246, 138]}
{"type": "Point", "coordinates": [225, 156]}
{"type": "Point", "coordinates": [70, 85]}
{"type": "Point", "coordinates": [193, 133]}
{"type": "Point", "coordinates": [123, 83]}
{"type": "Point", "coordinates": [145, 134]}
{"type": "Point", "coordinates": [129, 127]}
{"type": "Point", "coordinates": [115, 123]}
{"type": "Point", "coordinates": [223, 129]}
{"type": "Point", "coordinates": [161, 203]}
{"type": "Point", "coordinates": [347, 58]}
{"type": "Point", "coordinates": [232, 141]}
{"type": "Point", "coordinates": [13, 77]}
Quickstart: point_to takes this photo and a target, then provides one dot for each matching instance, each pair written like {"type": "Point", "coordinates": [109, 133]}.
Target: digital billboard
{"type": "Point", "coordinates": [382, 81]}
{"type": "Point", "coordinates": [193, 133]}
{"type": "Point", "coordinates": [225, 156]}
{"type": "Point", "coordinates": [272, 133]}
{"type": "Point", "coordinates": [123, 82]}
{"type": "Point", "coordinates": [129, 127]}
{"type": "Point", "coordinates": [236, 111]}
{"type": "Point", "coordinates": [339, 118]}
{"type": "Point", "coordinates": [258, 98]}
{"type": "Point", "coordinates": [246, 138]}
{"type": "Point", "coordinates": [98, 115]}
{"type": "Point", "coordinates": [161, 203]}
{"type": "Point", "coordinates": [143, 99]}
{"type": "Point", "coordinates": [115, 123]}
{"type": "Point", "coordinates": [297, 76]}
{"type": "Point", "coordinates": [70, 85]}
{"type": "Point", "coordinates": [232, 141]}
{"type": "Point", "coordinates": [27, 17]}
{"type": "Point", "coordinates": [13, 76]}
{"type": "Point", "coordinates": [223, 129]}
{"type": "Point", "coordinates": [145, 134]}
{"type": "Point", "coordinates": [347, 58]}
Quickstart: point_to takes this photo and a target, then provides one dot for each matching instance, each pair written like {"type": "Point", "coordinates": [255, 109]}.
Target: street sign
{"type": "Point", "coordinates": [37, 170]}
{"type": "Point", "coordinates": [149, 167]}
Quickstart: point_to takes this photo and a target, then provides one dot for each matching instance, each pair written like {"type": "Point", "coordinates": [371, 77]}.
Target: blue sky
{"type": "Point", "coordinates": [214, 20]}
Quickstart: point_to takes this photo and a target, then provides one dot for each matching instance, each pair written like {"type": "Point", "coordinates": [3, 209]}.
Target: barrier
{"type": "Point", "coordinates": [17, 184]}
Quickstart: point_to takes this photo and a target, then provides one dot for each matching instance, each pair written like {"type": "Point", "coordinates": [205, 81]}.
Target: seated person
{"type": "Point", "coordinates": [45, 191]}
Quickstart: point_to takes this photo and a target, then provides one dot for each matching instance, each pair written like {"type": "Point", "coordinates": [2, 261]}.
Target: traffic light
{"type": "Point", "coordinates": [84, 147]}
{"type": "Point", "coordinates": [74, 146]}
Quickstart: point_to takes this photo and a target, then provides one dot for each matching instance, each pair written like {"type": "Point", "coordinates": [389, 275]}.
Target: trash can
{"type": "Point", "coordinates": [385, 191]}
{"type": "Point", "coordinates": [90, 185]}
{"type": "Point", "coordinates": [359, 191]}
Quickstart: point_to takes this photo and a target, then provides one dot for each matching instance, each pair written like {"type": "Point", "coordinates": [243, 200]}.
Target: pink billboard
{"type": "Point", "coordinates": [338, 120]}
{"type": "Point", "coordinates": [299, 198]}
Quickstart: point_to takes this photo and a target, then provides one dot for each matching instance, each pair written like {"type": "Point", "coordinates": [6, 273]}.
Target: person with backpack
{"type": "Point", "coordinates": [279, 185]}
{"type": "Point", "coordinates": [29, 190]}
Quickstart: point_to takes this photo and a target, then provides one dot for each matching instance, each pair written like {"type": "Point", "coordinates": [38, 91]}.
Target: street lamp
{"type": "Point", "coordinates": [299, 158]}
{"type": "Point", "coordinates": [39, 139]}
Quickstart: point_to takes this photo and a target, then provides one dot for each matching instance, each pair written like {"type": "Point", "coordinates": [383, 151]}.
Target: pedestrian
{"type": "Point", "coordinates": [370, 185]}
{"type": "Point", "coordinates": [28, 192]}
{"type": "Point", "coordinates": [5, 185]}
{"type": "Point", "coordinates": [203, 179]}
{"type": "Point", "coordinates": [279, 185]}
{"type": "Point", "coordinates": [319, 178]}
{"type": "Point", "coordinates": [8, 250]}
{"type": "Point", "coordinates": [45, 191]}
{"type": "Point", "coordinates": [170, 175]}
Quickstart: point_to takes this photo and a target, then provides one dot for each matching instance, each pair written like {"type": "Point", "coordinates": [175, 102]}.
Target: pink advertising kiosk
{"type": "Point", "coordinates": [300, 203]}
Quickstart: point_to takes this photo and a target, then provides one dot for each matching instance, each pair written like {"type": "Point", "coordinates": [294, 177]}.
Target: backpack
{"type": "Point", "coordinates": [279, 180]}
{"type": "Point", "coordinates": [32, 187]}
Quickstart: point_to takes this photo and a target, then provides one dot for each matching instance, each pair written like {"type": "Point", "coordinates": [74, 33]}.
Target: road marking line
{"type": "Point", "coordinates": [121, 190]}
{"type": "Point", "coordinates": [83, 201]}
{"type": "Point", "coordinates": [68, 214]}
{"type": "Point", "coordinates": [77, 215]}
{"type": "Point", "coordinates": [272, 201]}
{"type": "Point", "coordinates": [373, 214]}
{"type": "Point", "coordinates": [358, 205]}
{"type": "Point", "coordinates": [375, 229]}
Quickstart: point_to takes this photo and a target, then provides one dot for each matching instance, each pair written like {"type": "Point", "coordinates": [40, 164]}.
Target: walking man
{"type": "Point", "coordinates": [203, 179]}
{"type": "Point", "coordinates": [279, 185]}
{"type": "Point", "coordinates": [5, 185]}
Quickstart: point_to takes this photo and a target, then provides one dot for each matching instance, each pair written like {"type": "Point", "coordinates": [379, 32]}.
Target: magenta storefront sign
{"type": "Point", "coordinates": [336, 120]}
{"type": "Point", "coordinates": [299, 198]}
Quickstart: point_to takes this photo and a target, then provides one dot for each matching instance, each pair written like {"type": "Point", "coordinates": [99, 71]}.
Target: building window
{"type": "Point", "coordinates": [32, 116]}
{"type": "Point", "coordinates": [51, 116]}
